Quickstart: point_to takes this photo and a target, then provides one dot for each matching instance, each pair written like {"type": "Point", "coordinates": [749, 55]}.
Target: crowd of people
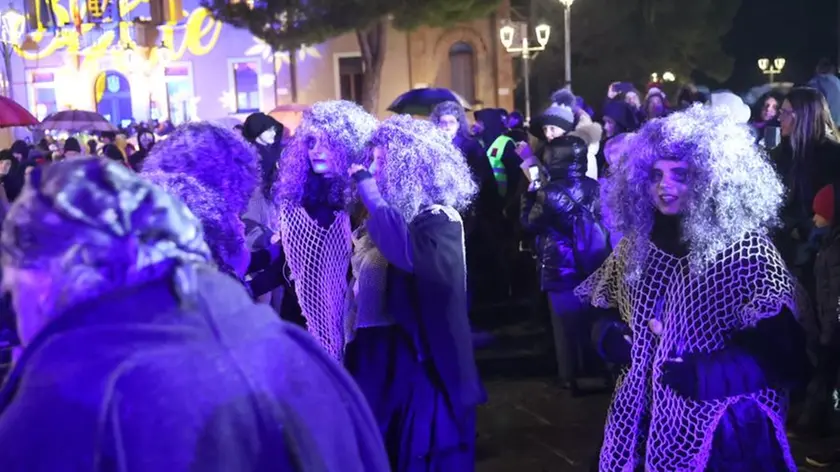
{"type": "Point", "coordinates": [688, 250]}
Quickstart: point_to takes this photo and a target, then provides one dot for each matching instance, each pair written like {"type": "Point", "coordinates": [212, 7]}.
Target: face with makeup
{"type": "Point", "coordinates": [668, 188]}
{"type": "Point", "coordinates": [320, 154]}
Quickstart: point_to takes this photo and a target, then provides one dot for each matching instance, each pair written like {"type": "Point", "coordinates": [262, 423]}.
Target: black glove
{"type": "Point", "coordinates": [714, 375]}
{"type": "Point", "coordinates": [681, 377]}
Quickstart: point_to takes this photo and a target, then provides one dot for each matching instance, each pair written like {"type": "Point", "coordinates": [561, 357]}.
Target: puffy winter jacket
{"type": "Point", "coordinates": [549, 211]}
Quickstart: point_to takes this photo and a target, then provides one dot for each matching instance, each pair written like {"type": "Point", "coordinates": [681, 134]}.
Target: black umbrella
{"type": "Point", "coordinates": [422, 101]}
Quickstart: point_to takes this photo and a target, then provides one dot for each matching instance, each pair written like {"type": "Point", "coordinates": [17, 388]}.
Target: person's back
{"type": "Point", "coordinates": [141, 356]}
{"type": "Point", "coordinates": [828, 84]}
{"type": "Point", "coordinates": [134, 382]}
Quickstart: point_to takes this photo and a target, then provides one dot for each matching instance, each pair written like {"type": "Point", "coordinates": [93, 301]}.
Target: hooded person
{"type": "Point", "coordinates": [145, 143]}
{"type": "Point", "coordinates": [412, 350]}
{"type": "Point", "coordinates": [266, 134]}
{"type": "Point", "coordinates": [147, 354]}
{"type": "Point", "coordinates": [711, 307]}
{"type": "Point", "coordinates": [314, 197]}
{"type": "Point", "coordinates": [485, 257]}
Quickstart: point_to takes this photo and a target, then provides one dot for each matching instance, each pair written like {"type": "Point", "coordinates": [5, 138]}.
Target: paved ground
{"type": "Point", "coordinates": [529, 423]}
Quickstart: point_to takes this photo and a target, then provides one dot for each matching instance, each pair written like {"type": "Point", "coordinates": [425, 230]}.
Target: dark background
{"type": "Point", "coordinates": [801, 31]}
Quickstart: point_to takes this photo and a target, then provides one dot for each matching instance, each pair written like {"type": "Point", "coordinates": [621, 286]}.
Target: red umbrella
{"type": "Point", "coordinates": [12, 114]}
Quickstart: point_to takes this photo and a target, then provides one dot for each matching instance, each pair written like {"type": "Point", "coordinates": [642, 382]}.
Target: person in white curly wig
{"type": "Point", "coordinates": [215, 156]}
{"type": "Point", "coordinates": [410, 325]}
{"type": "Point", "coordinates": [710, 307]}
{"type": "Point", "coordinates": [313, 194]}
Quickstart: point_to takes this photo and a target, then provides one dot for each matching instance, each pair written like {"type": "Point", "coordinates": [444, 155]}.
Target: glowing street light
{"type": "Point", "coordinates": [11, 28]}
{"type": "Point", "coordinates": [507, 34]}
{"type": "Point", "coordinates": [567, 30]}
{"type": "Point", "coordinates": [666, 76]}
{"type": "Point", "coordinates": [771, 69]}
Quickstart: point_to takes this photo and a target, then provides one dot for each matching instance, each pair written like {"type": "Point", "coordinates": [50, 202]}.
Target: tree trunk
{"type": "Point", "coordinates": [373, 44]}
{"type": "Point", "coordinates": [293, 85]}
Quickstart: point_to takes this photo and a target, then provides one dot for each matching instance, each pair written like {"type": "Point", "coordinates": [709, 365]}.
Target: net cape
{"type": "Point", "coordinates": [319, 260]}
{"type": "Point", "coordinates": [647, 422]}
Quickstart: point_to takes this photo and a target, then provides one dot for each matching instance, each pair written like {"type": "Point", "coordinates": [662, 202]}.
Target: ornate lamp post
{"type": "Point", "coordinates": [567, 30]}
{"type": "Point", "coordinates": [666, 76]}
{"type": "Point", "coordinates": [11, 28]}
{"type": "Point", "coordinates": [507, 34]}
{"type": "Point", "coordinates": [771, 69]}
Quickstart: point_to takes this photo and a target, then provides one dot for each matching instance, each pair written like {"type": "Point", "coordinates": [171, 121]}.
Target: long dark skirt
{"type": "Point", "coordinates": [420, 431]}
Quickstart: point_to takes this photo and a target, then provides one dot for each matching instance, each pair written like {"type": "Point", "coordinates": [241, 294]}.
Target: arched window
{"type": "Point", "coordinates": [462, 70]}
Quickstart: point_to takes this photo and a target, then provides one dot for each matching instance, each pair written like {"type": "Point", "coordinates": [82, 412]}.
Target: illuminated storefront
{"type": "Point", "coordinates": [83, 57]}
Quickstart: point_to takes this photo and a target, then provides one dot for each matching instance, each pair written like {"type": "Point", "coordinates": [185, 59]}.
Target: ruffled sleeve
{"type": "Point", "coordinates": [602, 288]}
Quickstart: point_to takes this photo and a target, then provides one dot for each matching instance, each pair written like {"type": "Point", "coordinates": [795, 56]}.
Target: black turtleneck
{"type": "Point", "coordinates": [667, 234]}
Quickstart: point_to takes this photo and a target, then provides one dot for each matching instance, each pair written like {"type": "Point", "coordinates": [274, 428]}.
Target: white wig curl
{"type": "Point", "coordinates": [421, 167]}
{"type": "Point", "coordinates": [218, 158]}
{"type": "Point", "coordinates": [346, 126]}
{"type": "Point", "coordinates": [733, 187]}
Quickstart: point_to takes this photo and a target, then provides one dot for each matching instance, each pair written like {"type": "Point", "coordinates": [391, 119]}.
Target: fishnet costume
{"type": "Point", "coordinates": [647, 421]}
{"type": "Point", "coordinates": [319, 259]}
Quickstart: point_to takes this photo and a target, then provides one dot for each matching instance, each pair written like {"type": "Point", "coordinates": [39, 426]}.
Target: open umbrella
{"type": "Point", "coordinates": [422, 101]}
{"type": "Point", "coordinates": [77, 120]}
{"type": "Point", "coordinates": [12, 114]}
{"type": "Point", "coordinates": [290, 115]}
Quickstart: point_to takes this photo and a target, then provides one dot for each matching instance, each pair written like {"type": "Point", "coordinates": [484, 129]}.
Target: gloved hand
{"type": "Point", "coordinates": [679, 373]}
{"type": "Point", "coordinates": [714, 375]}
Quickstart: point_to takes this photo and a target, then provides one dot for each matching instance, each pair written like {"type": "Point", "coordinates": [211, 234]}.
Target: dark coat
{"type": "Point", "coordinates": [827, 280]}
{"type": "Point", "coordinates": [427, 296]}
{"type": "Point", "coordinates": [136, 381]}
{"type": "Point", "coordinates": [549, 211]}
{"type": "Point", "coordinates": [803, 181]}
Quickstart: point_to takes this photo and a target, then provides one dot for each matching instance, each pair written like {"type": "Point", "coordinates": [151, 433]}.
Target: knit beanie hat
{"type": "Point", "coordinates": [824, 203]}
{"type": "Point", "coordinates": [555, 115]}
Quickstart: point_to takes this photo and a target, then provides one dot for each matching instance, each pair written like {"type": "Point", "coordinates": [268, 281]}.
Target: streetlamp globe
{"type": "Point", "coordinates": [11, 25]}
{"type": "Point", "coordinates": [506, 34]}
{"type": "Point", "coordinates": [164, 54]}
{"type": "Point", "coordinates": [763, 63]}
{"type": "Point", "coordinates": [779, 63]}
{"type": "Point", "coordinates": [543, 33]}
{"type": "Point", "coordinates": [668, 76]}
{"type": "Point", "coordinates": [567, 3]}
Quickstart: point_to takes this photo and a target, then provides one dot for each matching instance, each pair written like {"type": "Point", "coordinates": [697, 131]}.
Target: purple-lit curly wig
{"type": "Point", "coordinates": [346, 127]}
{"type": "Point", "coordinates": [217, 157]}
{"type": "Point", "coordinates": [421, 167]}
{"type": "Point", "coordinates": [224, 232]}
{"type": "Point", "coordinates": [734, 188]}
{"type": "Point", "coordinates": [455, 109]}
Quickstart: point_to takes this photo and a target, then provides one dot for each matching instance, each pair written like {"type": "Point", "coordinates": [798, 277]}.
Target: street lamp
{"type": "Point", "coordinates": [507, 34]}
{"type": "Point", "coordinates": [11, 28]}
{"type": "Point", "coordinates": [666, 76]}
{"type": "Point", "coordinates": [567, 30]}
{"type": "Point", "coordinates": [771, 69]}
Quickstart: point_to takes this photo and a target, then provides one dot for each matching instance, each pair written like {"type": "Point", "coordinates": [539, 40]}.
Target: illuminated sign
{"type": "Point", "coordinates": [200, 33]}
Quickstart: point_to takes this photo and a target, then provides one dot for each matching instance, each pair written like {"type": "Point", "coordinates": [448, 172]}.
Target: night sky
{"type": "Point", "coordinates": [801, 31]}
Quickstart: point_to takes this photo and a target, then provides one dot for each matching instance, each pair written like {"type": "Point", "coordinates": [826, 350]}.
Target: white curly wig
{"type": "Point", "coordinates": [346, 127]}
{"type": "Point", "coordinates": [421, 167]}
{"type": "Point", "coordinates": [216, 156]}
{"type": "Point", "coordinates": [733, 187]}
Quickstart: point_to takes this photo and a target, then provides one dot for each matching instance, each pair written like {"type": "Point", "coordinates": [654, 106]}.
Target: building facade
{"type": "Point", "coordinates": [192, 67]}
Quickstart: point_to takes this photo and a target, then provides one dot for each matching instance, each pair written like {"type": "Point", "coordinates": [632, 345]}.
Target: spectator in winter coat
{"type": "Point", "coordinates": [827, 275]}
{"type": "Point", "coordinates": [548, 210]}
{"type": "Point", "coordinates": [828, 84]}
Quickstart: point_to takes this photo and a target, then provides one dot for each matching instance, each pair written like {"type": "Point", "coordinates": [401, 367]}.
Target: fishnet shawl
{"type": "Point", "coordinates": [319, 260]}
{"type": "Point", "coordinates": [747, 282]}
